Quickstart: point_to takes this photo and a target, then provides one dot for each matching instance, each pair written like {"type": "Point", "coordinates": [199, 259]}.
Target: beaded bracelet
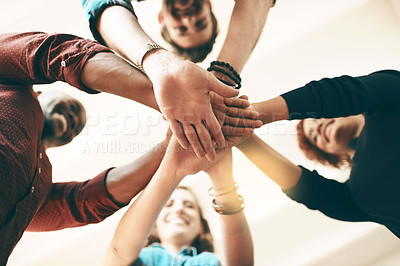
{"type": "Point", "coordinates": [230, 73]}
{"type": "Point", "coordinates": [230, 211]}
{"type": "Point", "coordinates": [227, 83]}
{"type": "Point", "coordinates": [226, 73]}
{"type": "Point", "coordinates": [228, 66]}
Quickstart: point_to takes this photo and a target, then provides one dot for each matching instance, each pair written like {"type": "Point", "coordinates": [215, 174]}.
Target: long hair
{"type": "Point", "coordinates": [312, 152]}
{"type": "Point", "coordinates": [203, 242]}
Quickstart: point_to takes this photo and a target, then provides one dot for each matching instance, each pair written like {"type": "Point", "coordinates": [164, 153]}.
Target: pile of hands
{"type": "Point", "coordinates": [205, 116]}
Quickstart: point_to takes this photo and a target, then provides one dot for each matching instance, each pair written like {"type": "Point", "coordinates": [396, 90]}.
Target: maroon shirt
{"type": "Point", "coordinates": [27, 195]}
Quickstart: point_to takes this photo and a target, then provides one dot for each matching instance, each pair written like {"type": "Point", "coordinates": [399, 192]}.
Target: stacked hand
{"type": "Point", "coordinates": [187, 95]}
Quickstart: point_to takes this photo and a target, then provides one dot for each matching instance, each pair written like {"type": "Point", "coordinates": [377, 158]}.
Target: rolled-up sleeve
{"type": "Point", "coordinates": [94, 8]}
{"type": "Point", "coordinates": [41, 58]}
{"type": "Point", "coordinates": [328, 196]}
{"type": "Point", "coordinates": [73, 204]}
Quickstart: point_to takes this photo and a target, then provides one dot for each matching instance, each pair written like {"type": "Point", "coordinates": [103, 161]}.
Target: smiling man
{"type": "Point", "coordinates": [188, 25]}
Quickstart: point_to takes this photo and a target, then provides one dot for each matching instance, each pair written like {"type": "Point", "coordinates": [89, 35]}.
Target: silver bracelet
{"type": "Point", "coordinates": [148, 48]}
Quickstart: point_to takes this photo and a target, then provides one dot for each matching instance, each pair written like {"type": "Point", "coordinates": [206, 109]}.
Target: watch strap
{"type": "Point", "coordinates": [149, 47]}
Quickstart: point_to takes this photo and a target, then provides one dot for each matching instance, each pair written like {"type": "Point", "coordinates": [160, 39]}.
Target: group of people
{"type": "Point", "coordinates": [344, 122]}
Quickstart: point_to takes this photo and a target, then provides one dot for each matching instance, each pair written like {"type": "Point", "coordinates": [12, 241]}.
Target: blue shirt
{"type": "Point", "coordinates": [155, 255]}
{"type": "Point", "coordinates": [94, 8]}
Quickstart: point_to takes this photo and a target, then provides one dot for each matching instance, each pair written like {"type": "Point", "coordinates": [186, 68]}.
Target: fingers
{"type": "Point", "coordinates": [216, 131]}
{"type": "Point", "coordinates": [242, 122]}
{"type": "Point", "coordinates": [191, 135]}
{"type": "Point", "coordinates": [206, 141]}
{"type": "Point", "coordinates": [236, 131]}
{"type": "Point", "coordinates": [221, 89]}
{"type": "Point", "coordinates": [244, 97]}
{"type": "Point", "coordinates": [237, 102]}
{"type": "Point", "coordinates": [241, 113]}
{"type": "Point", "coordinates": [179, 133]}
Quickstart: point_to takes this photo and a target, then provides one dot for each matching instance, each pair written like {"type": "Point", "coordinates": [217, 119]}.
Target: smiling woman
{"type": "Point", "coordinates": [181, 223]}
{"type": "Point", "coordinates": [330, 141]}
{"type": "Point", "coordinates": [181, 235]}
{"type": "Point", "coordinates": [358, 116]}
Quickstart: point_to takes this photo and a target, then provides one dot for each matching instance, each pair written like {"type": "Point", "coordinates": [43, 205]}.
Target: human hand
{"type": "Point", "coordinates": [182, 90]}
{"type": "Point", "coordinates": [184, 162]}
{"type": "Point", "coordinates": [235, 115]}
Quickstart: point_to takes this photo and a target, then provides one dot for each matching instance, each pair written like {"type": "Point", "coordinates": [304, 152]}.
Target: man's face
{"type": "Point", "coordinates": [65, 117]}
{"type": "Point", "coordinates": [188, 22]}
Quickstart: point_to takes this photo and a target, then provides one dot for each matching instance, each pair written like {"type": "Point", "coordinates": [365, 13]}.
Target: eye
{"type": "Point", "coordinates": [182, 29]}
{"type": "Point", "coordinates": [189, 205]}
{"type": "Point", "coordinates": [201, 24]}
{"type": "Point", "coordinates": [169, 203]}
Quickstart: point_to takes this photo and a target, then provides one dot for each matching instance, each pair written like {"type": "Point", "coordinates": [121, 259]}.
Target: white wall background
{"type": "Point", "coordinates": [302, 41]}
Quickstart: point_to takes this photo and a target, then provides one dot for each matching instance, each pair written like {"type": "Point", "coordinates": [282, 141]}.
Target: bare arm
{"type": "Point", "coordinates": [245, 27]}
{"type": "Point", "coordinates": [107, 72]}
{"type": "Point", "coordinates": [236, 235]}
{"type": "Point", "coordinates": [125, 182]}
{"type": "Point", "coordinates": [277, 167]}
{"type": "Point", "coordinates": [138, 221]}
{"type": "Point", "coordinates": [272, 110]}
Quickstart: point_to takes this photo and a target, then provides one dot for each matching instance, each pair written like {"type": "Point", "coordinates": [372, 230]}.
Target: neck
{"type": "Point", "coordinates": [173, 248]}
{"type": "Point", "coordinates": [360, 120]}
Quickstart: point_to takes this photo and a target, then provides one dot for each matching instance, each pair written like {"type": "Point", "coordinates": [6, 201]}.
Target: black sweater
{"type": "Point", "coordinates": [372, 192]}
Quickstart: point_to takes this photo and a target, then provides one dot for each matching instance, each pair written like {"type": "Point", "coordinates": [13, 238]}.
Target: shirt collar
{"type": "Point", "coordinates": [186, 250]}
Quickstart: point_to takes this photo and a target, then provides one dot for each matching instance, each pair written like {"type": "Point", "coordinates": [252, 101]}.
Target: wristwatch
{"type": "Point", "coordinates": [149, 47]}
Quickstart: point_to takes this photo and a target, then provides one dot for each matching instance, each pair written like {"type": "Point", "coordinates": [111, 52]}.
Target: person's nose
{"type": "Point", "coordinates": [187, 21]}
{"type": "Point", "coordinates": [178, 208]}
{"type": "Point", "coordinates": [320, 122]}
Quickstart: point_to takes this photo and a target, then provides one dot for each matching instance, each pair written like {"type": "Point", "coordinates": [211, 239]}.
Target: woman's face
{"type": "Point", "coordinates": [332, 135]}
{"type": "Point", "coordinates": [188, 22]}
{"type": "Point", "coordinates": [180, 218]}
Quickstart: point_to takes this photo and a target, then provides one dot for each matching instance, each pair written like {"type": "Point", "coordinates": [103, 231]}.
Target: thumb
{"type": "Point", "coordinates": [222, 89]}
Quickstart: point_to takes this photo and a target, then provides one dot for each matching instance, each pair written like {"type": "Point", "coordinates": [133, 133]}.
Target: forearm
{"type": "Point", "coordinates": [245, 27]}
{"type": "Point", "coordinates": [236, 235]}
{"type": "Point", "coordinates": [107, 72]}
{"type": "Point", "coordinates": [238, 243]}
{"type": "Point", "coordinates": [272, 110]}
{"type": "Point", "coordinates": [277, 167]}
{"type": "Point", "coordinates": [121, 31]}
{"type": "Point", "coordinates": [125, 182]}
{"type": "Point", "coordinates": [138, 221]}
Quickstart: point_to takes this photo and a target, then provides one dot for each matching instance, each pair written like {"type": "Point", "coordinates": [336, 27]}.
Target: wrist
{"type": "Point", "coordinates": [148, 49]}
{"type": "Point", "coordinates": [158, 61]}
{"type": "Point", "coordinates": [246, 144]}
